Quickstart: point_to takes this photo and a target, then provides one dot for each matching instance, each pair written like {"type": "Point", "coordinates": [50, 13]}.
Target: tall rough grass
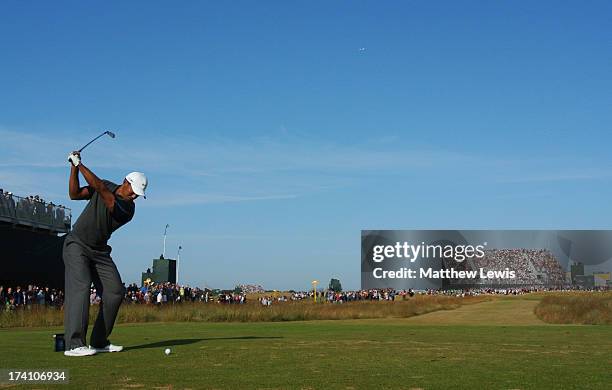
{"type": "Point", "coordinates": [249, 312]}
{"type": "Point", "coordinates": [576, 308]}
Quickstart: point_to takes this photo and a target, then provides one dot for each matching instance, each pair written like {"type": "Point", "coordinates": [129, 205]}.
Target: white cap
{"type": "Point", "coordinates": [139, 182]}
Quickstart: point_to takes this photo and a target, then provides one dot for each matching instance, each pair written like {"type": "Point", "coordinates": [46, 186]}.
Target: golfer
{"type": "Point", "coordinates": [87, 256]}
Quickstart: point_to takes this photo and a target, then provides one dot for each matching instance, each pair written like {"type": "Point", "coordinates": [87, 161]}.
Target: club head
{"type": "Point", "coordinates": [111, 134]}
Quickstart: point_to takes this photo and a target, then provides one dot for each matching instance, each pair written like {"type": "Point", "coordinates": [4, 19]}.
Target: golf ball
{"type": "Point", "coordinates": [167, 351]}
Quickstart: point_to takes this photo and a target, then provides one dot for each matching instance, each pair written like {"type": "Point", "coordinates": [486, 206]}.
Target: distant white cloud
{"type": "Point", "coordinates": [194, 199]}
{"type": "Point", "coordinates": [588, 174]}
{"type": "Point", "coordinates": [255, 169]}
{"type": "Point", "coordinates": [283, 166]}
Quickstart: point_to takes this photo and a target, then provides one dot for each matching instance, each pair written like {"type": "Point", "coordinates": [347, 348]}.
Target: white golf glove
{"type": "Point", "coordinates": [74, 159]}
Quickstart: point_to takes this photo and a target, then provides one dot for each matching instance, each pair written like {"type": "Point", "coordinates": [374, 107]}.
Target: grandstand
{"type": "Point", "coordinates": [533, 268]}
{"type": "Point", "coordinates": [34, 213]}
{"type": "Point", "coordinates": [31, 245]}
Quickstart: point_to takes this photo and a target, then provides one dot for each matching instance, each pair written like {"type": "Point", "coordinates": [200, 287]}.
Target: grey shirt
{"type": "Point", "coordinates": [96, 223]}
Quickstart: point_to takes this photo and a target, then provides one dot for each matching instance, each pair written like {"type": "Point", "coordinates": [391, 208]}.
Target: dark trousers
{"type": "Point", "coordinates": [84, 265]}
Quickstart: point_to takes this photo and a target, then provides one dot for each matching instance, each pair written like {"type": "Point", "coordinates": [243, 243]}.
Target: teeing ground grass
{"type": "Point", "coordinates": [496, 344]}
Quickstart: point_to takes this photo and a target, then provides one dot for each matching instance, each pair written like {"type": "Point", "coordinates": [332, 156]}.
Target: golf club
{"type": "Point", "coordinates": [110, 134]}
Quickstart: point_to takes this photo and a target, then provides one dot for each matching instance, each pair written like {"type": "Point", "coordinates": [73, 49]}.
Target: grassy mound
{"type": "Point", "coordinates": [576, 308]}
{"type": "Point", "coordinates": [249, 312]}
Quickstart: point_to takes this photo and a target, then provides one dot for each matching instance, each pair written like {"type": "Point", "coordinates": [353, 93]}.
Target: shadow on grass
{"type": "Point", "coordinates": [171, 343]}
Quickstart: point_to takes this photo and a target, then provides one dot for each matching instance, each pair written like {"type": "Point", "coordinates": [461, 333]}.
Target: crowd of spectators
{"type": "Point", "coordinates": [164, 293]}
{"type": "Point", "coordinates": [34, 209]}
{"type": "Point", "coordinates": [532, 267]}
{"type": "Point", "coordinates": [15, 298]}
{"type": "Point", "coordinates": [547, 265]}
{"type": "Point", "coordinates": [250, 288]}
{"type": "Point", "coordinates": [329, 296]}
{"type": "Point", "coordinates": [471, 292]}
{"type": "Point", "coordinates": [362, 295]}
{"type": "Point", "coordinates": [231, 298]}
{"type": "Point", "coordinates": [169, 293]}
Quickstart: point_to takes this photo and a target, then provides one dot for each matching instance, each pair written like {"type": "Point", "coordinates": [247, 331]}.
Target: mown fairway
{"type": "Point", "coordinates": [440, 350]}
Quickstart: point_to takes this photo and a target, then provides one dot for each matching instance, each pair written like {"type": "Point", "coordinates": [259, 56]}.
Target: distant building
{"type": "Point", "coordinates": [602, 279]}
{"type": "Point", "coordinates": [164, 270]}
{"type": "Point", "coordinates": [585, 281]}
{"type": "Point", "coordinates": [577, 269]}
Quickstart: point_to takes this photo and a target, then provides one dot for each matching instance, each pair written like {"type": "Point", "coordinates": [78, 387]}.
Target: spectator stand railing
{"type": "Point", "coordinates": [34, 213]}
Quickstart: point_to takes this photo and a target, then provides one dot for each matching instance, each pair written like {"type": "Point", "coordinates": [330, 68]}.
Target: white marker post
{"type": "Point", "coordinates": [165, 231]}
{"type": "Point", "coordinates": [178, 257]}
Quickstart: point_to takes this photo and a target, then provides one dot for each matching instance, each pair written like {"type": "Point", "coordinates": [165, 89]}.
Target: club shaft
{"type": "Point", "coordinates": [87, 144]}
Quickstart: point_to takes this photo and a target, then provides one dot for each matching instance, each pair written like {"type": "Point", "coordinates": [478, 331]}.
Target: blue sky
{"type": "Point", "coordinates": [270, 139]}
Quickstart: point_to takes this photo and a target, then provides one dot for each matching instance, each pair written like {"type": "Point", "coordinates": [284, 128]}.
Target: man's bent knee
{"type": "Point", "coordinates": [114, 295]}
